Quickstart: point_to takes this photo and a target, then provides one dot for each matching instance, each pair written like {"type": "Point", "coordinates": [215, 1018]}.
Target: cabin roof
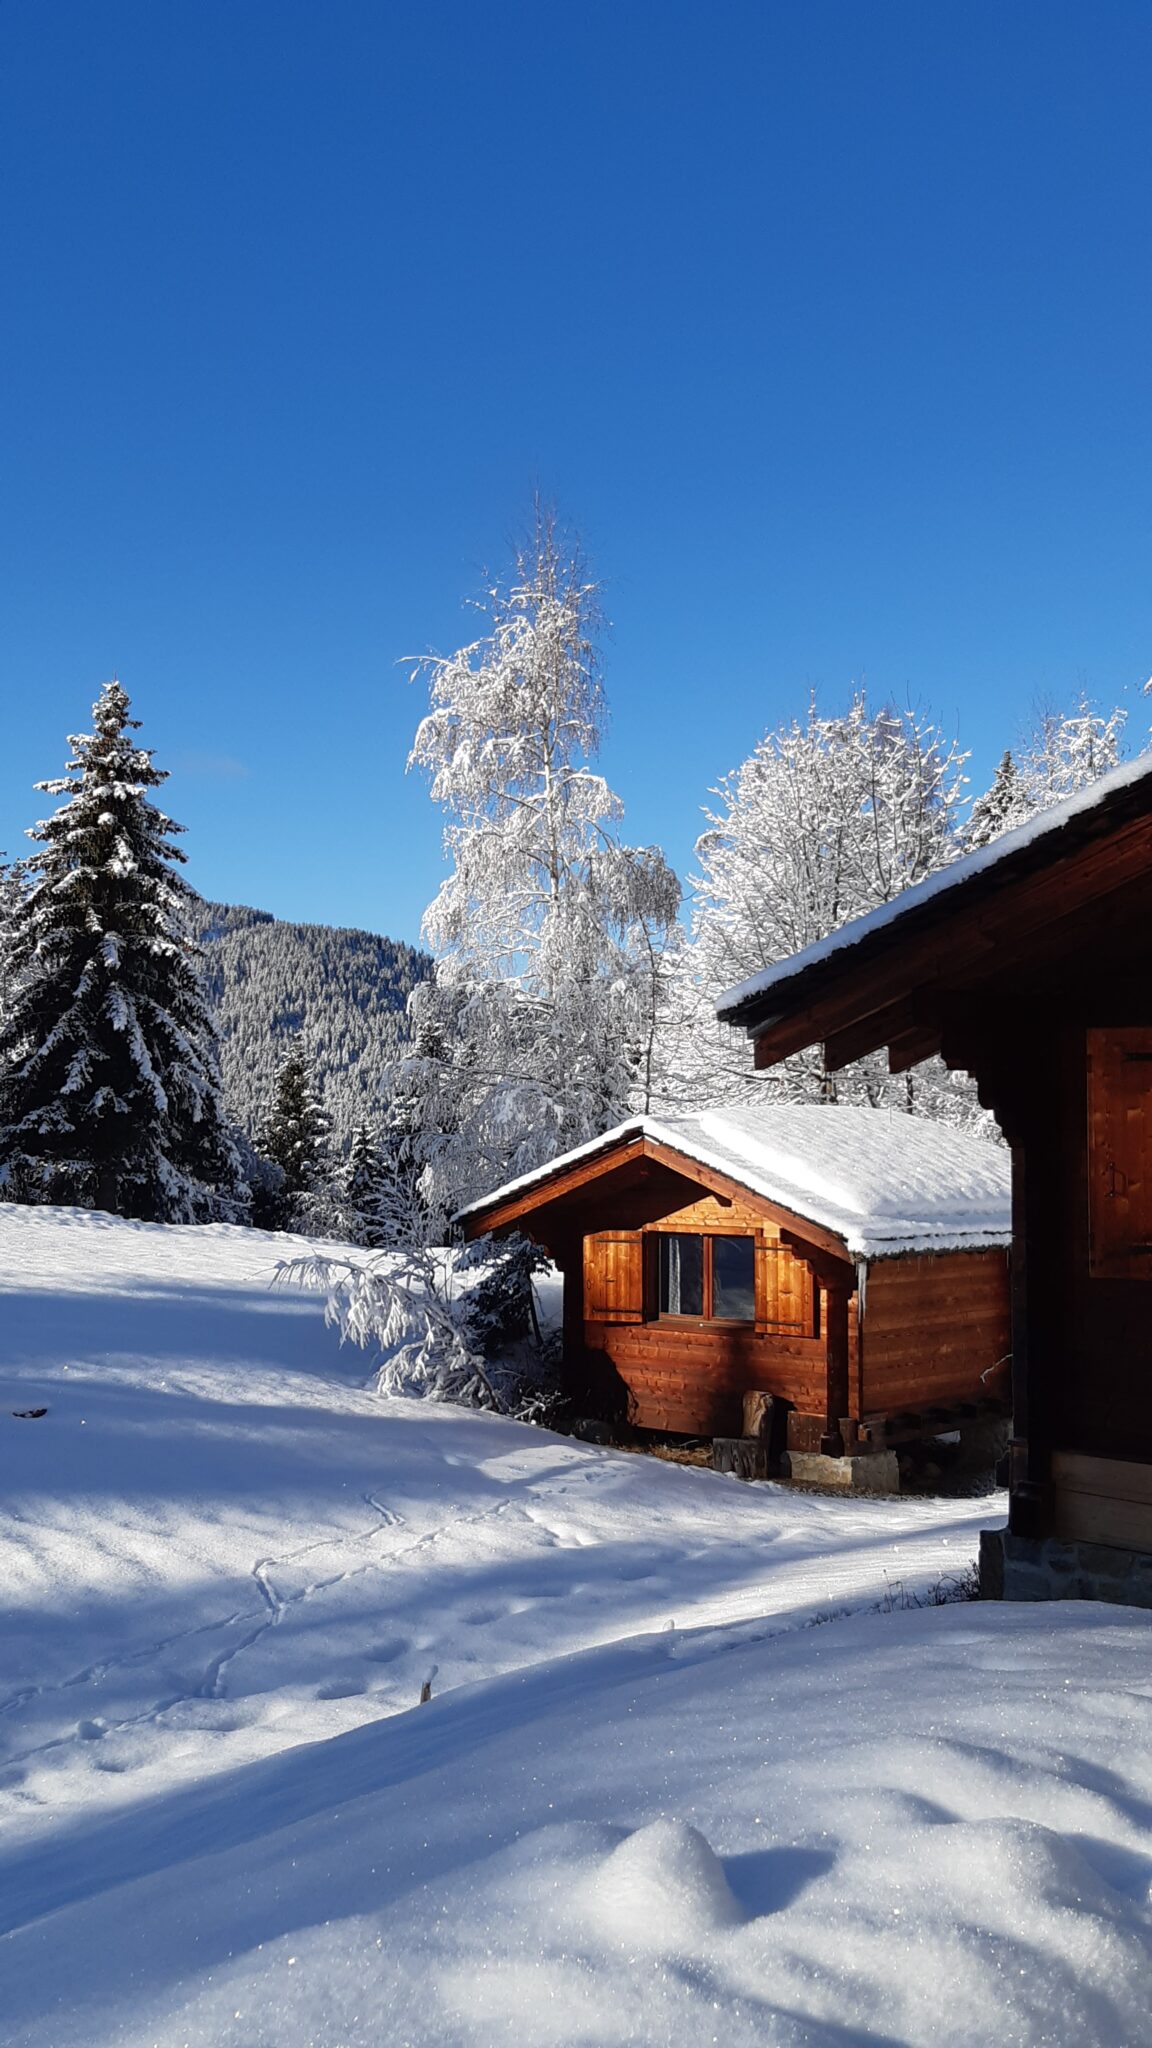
{"type": "Point", "coordinates": [1120, 800]}
{"type": "Point", "coordinates": [881, 1181]}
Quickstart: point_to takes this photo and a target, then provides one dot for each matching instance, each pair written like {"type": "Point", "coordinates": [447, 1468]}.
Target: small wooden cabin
{"type": "Point", "coordinates": [849, 1263]}
{"type": "Point", "coordinates": [1030, 965]}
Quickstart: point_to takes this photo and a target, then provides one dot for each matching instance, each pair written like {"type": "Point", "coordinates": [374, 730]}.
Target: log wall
{"type": "Point", "coordinates": [937, 1329]}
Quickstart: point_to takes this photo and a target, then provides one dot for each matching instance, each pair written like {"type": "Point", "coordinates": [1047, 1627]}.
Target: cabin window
{"type": "Point", "coordinates": [710, 1277]}
{"type": "Point", "coordinates": [1120, 1153]}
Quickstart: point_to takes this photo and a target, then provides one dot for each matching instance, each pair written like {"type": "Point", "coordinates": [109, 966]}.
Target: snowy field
{"type": "Point", "coordinates": [648, 1802]}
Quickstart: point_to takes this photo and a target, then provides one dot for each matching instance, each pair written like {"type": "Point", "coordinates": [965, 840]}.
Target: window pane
{"type": "Point", "coordinates": [734, 1278]}
{"type": "Point", "coordinates": [681, 1275]}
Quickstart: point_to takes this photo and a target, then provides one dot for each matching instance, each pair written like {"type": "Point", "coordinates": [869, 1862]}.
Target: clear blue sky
{"type": "Point", "coordinates": [827, 323]}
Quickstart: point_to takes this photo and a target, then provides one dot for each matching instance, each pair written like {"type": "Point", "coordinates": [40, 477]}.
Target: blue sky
{"type": "Point", "coordinates": [827, 324]}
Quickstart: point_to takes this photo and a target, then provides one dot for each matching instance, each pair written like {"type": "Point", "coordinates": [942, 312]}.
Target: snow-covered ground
{"type": "Point", "coordinates": [645, 1804]}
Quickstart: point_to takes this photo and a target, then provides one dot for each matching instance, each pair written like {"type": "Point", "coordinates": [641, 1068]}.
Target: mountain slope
{"type": "Point", "coordinates": [345, 990]}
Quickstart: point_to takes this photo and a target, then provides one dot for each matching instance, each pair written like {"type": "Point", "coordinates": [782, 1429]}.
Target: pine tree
{"type": "Point", "coordinates": [365, 1191]}
{"type": "Point", "coordinates": [12, 875]}
{"type": "Point", "coordinates": [109, 1063]}
{"type": "Point", "coordinates": [294, 1133]}
{"type": "Point", "coordinates": [1003, 806]}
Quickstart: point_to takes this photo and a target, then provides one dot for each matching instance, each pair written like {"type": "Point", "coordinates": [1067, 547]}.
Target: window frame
{"type": "Point", "coordinates": [662, 1315]}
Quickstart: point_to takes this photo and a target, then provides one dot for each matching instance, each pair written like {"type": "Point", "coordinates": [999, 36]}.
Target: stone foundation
{"type": "Point", "coordinates": [868, 1472]}
{"type": "Point", "coordinates": [1052, 1568]}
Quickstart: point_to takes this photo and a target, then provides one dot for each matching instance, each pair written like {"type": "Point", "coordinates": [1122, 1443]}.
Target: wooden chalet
{"type": "Point", "coordinates": [849, 1264]}
{"type": "Point", "coordinates": [1030, 965]}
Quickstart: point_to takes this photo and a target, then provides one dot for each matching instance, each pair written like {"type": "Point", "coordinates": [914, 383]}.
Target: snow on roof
{"type": "Point", "coordinates": [882, 1181]}
{"type": "Point", "coordinates": [960, 871]}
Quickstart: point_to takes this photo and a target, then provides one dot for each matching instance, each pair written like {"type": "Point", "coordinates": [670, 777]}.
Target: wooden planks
{"type": "Point", "coordinates": [1102, 1500]}
{"type": "Point", "coordinates": [937, 1328]}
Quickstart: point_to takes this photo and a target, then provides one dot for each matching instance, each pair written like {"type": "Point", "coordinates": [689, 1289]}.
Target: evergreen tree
{"type": "Point", "coordinates": [294, 1136]}
{"type": "Point", "coordinates": [1002, 807]}
{"type": "Point", "coordinates": [11, 896]}
{"type": "Point", "coordinates": [109, 1064]}
{"type": "Point", "coordinates": [365, 1191]}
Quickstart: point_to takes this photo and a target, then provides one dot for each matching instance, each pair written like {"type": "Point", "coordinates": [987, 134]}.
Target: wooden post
{"type": "Point", "coordinates": [837, 1288]}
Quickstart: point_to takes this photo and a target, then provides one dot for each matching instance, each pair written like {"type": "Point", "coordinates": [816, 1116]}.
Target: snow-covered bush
{"type": "Point", "coordinates": [447, 1324]}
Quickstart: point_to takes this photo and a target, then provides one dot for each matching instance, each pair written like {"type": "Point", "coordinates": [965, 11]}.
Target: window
{"type": "Point", "coordinates": [710, 1277]}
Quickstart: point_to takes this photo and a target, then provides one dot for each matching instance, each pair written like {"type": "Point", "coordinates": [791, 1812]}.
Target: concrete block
{"type": "Point", "coordinates": [864, 1472]}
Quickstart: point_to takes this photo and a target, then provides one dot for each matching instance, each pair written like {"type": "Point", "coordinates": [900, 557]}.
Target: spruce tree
{"type": "Point", "coordinates": [365, 1198]}
{"type": "Point", "coordinates": [1003, 806]}
{"type": "Point", "coordinates": [294, 1133]}
{"type": "Point", "coordinates": [109, 1062]}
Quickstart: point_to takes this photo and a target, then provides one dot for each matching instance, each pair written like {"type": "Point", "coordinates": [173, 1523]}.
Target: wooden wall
{"type": "Point", "coordinates": [937, 1329]}
{"type": "Point", "coordinates": [690, 1377]}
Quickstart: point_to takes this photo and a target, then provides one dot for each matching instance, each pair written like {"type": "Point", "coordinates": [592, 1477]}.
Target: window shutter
{"type": "Point", "coordinates": [614, 1277]}
{"type": "Point", "coordinates": [1120, 1153]}
{"type": "Point", "coordinates": [784, 1297]}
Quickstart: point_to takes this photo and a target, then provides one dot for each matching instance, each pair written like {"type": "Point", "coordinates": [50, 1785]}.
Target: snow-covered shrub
{"type": "Point", "coordinates": [434, 1316]}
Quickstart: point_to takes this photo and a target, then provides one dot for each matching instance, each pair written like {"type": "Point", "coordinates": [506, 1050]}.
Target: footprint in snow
{"type": "Point", "coordinates": [386, 1653]}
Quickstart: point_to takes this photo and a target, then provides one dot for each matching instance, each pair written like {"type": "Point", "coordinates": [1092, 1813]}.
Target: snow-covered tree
{"type": "Point", "coordinates": [365, 1188]}
{"type": "Point", "coordinates": [538, 1025]}
{"type": "Point", "coordinates": [11, 896]}
{"type": "Point", "coordinates": [1068, 750]}
{"type": "Point", "coordinates": [294, 1135]}
{"type": "Point", "coordinates": [1064, 752]}
{"type": "Point", "coordinates": [109, 1065]}
{"type": "Point", "coordinates": [1004, 805]}
{"type": "Point", "coordinates": [828, 818]}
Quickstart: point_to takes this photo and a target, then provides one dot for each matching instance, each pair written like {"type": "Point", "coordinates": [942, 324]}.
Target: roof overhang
{"type": "Point", "coordinates": [895, 979]}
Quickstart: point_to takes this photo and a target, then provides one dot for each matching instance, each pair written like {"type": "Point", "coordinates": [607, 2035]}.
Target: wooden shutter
{"type": "Point", "coordinates": [1120, 1153]}
{"type": "Point", "coordinates": [784, 1295]}
{"type": "Point", "coordinates": [614, 1277]}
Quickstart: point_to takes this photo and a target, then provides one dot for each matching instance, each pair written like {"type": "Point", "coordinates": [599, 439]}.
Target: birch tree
{"type": "Point", "coordinates": [538, 1025]}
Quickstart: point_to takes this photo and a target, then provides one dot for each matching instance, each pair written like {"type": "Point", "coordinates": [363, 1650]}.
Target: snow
{"type": "Point", "coordinates": [1046, 823]}
{"type": "Point", "coordinates": [882, 1181]}
{"type": "Point", "coordinates": [647, 1803]}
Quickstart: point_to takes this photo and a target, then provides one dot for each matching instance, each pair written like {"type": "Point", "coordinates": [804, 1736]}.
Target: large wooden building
{"type": "Point", "coordinates": [848, 1263]}
{"type": "Point", "coordinates": [1030, 965]}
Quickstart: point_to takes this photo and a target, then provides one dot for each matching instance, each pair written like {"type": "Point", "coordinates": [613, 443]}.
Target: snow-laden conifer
{"type": "Point", "coordinates": [109, 1068]}
{"type": "Point", "coordinates": [295, 1136]}
{"type": "Point", "coordinates": [365, 1189]}
{"type": "Point", "coordinates": [1004, 805]}
{"type": "Point", "coordinates": [537, 1026]}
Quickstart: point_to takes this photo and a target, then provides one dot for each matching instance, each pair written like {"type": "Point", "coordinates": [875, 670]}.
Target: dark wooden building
{"type": "Point", "coordinates": [1030, 965]}
{"type": "Point", "coordinates": [849, 1263]}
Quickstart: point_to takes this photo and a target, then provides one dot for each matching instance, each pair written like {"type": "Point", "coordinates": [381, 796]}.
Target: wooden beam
{"type": "Point", "coordinates": [907, 1048]}
{"type": "Point", "coordinates": [836, 1294]}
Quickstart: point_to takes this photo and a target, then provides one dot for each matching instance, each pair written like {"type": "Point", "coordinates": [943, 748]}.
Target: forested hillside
{"type": "Point", "coordinates": [345, 990]}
